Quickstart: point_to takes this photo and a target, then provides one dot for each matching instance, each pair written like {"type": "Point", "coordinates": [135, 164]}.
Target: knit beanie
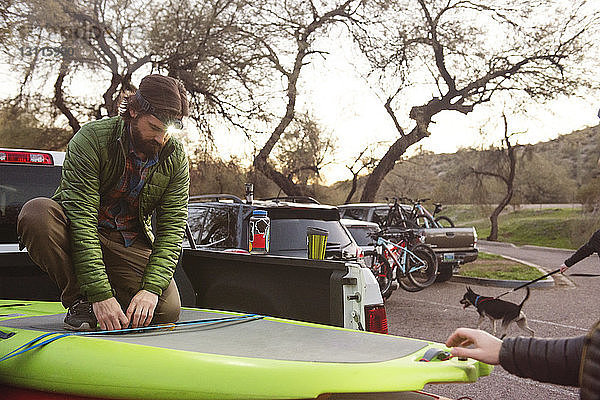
{"type": "Point", "coordinates": [166, 95]}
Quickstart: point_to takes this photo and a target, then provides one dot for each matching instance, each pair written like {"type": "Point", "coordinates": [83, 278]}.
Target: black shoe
{"type": "Point", "coordinates": [80, 317]}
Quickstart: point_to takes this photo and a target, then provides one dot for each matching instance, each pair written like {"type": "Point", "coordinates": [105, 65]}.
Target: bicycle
{"type": "Point", "coordinates": [424, 218]}
{"type": "Point", "coordinates": [413, 266]}
{"type": "Point", "coordinates": [398, 217]}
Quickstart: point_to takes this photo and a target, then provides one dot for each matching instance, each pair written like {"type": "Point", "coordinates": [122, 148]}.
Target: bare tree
{"type": "Point", "coordinates": [303, 151]}
{"type": "Point", "coordinates": [288, 32]}
{"type": "Point", "coordinates": [362, 162]}
{"type": "Point", "coordinates": [212, 46]}
{"type": "Point", "coordinates": [466, 52]}
{"type": "Point", "coordinates": [501, 165]}
{"type": "Point", "coordinates": [98, 38]}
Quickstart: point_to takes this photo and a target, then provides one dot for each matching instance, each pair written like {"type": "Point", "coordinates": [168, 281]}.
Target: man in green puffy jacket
{"type": "Point", "coordinates": [94, 237]}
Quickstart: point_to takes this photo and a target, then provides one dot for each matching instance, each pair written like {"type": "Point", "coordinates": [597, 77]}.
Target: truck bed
{"type": "Point", "coordinates": [301, 289]}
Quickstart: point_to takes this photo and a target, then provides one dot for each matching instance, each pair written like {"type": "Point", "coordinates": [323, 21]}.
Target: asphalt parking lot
{"type": "Point", "coordinates": [567, 309]}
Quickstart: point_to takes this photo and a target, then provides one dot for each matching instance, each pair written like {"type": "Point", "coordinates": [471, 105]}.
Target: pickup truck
{"type": "Point", "coordinates": [453, 246]}
{"type": "Point", "coordinates": [338, 291]}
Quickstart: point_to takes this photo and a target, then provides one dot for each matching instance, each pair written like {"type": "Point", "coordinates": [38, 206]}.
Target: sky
{"type": "Point", "coordinates": [343, 101]}
{"type": "Point", "coordinates": [355, 114]}
{"type": "Point", "coordinates": [345, 105]}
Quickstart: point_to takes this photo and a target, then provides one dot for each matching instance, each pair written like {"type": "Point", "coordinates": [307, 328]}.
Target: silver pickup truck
{"type": "Point", "coordinates": [453, 246]}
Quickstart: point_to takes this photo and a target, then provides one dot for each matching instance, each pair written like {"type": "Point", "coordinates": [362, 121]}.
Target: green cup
{"type": "Point", "coordinates": [316, 241]}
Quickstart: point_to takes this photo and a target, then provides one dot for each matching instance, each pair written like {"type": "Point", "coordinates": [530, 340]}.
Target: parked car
{"type": "Point", "coordinates": [219, 229]}
{"type": "Point", "coordinates": [453, 246]}
{"type": "Point", "coordinates": [361, 231]}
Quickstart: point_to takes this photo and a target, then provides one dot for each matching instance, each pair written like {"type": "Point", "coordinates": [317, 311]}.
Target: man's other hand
{"type": "Point", "coordinates": [141, 309]}
{"type": "Point", "coordinates": [110, 315]}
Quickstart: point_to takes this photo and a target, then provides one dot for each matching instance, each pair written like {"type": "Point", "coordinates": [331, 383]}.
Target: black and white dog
{"type": "Point", "coordinates": [497, 310]}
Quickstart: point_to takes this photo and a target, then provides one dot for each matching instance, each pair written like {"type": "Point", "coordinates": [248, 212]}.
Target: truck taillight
{"type": "Point", "coordinates": [26, 157]}
{"type": "Point", "coordinates": [376, 319]}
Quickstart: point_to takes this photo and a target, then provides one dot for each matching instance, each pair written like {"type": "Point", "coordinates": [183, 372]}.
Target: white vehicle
{"type": "Point", "coordinates": [341, 293]}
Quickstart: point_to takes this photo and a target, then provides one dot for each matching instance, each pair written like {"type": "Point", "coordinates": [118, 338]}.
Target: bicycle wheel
{"type": "Point", "coordinates": [425, 258]}
{"type": "Point", "coordinates": [425, 221]}
{"type": "Point", "coordinates": [406, 284]}
{"type": "Point", "coordinates": [444, 222]}
{"type": "Point", "coordinates": [383, 273]}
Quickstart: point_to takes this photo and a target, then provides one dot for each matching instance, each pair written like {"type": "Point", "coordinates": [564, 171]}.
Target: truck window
{"type": "Point", "coordinates": [361, 235]}
{"type": "Point", "coordinates": [18, 184]}
{"type": "Point", "coordinates": [356, 213]}
{"type": "Point", "coordinates": [210, 226]}
{"type": "Point", "coordinates": [380, 215]}
{"type": "Point", "coordinates": [290, 234]}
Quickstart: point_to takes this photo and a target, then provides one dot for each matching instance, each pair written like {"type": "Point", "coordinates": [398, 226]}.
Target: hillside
{"type": "Point", "coordinates": [547, 172]}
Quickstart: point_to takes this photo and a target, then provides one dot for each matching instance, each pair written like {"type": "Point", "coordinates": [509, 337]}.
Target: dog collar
{"type": "Point", "coordinates": [479, 297]}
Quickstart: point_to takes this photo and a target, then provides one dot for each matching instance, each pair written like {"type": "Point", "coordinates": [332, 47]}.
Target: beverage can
{"type": "Point", "coordinates": [259, 232]}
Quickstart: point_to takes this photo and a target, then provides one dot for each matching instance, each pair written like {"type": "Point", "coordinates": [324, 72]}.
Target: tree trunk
{"type": "Point", "coordinates": [388, 162]}
{"type": "Point", "coordinates": [509, 181]}
{"type": "Point", "coordinates": [493, 236]}
{"type": "Point", "coordinates": [353, 189]}
{"type": "Point", "coordinates": [59, 100]}
{"type": "Point", "coordinates": [261, 161]}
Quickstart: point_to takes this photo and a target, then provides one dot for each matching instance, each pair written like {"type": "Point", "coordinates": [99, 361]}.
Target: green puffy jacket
{"type": "Point", "coordinates": [94, 163]}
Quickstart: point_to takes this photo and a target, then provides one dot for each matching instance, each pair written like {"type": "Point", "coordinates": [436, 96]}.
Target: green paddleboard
{"type": "Point", "coordinates": [248, 358]}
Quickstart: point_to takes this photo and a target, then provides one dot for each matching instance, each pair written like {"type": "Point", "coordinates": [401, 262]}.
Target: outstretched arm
{"type": "Point", "coordinates": [592, 246]}
{"type": "Point", "coordinates": [545, 360]}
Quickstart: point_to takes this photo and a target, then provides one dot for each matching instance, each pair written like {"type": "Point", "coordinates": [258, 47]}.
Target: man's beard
{"type": "Point", "coordinates": [149, 148]}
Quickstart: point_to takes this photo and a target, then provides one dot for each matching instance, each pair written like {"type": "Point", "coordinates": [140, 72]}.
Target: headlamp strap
{"type": "Point", "coordinates": [143, 102]}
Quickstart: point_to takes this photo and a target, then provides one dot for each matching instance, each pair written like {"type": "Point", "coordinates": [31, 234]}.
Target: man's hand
{"type": "Point", "coordinates": [141, 308]}
{"type": "Point", "coordinates": [563, 268]}
{"type": "Point", "coordinates": [487, 347]}
{"type": "Point", "coordinates": [109, 314]}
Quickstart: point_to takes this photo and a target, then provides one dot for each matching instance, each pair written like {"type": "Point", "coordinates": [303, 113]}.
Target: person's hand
{"type": "Point", "coordinates": [486, 347]}
{"type": "Point", "coordinates": [141, 308]}
{"type": "Point", "coordinates": [563, 268]}
{"type": "Point", "coordinates": [110, 315]}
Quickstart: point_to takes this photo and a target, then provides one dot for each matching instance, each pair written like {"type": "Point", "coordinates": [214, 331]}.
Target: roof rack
{"type": "Point", "coordinates": [294, 199]}
{"type": "Point", "coordinates": [217, 197]}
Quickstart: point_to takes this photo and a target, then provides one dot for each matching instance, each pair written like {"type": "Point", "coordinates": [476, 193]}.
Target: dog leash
{"type": "Point", "coordinates": [529, 283]}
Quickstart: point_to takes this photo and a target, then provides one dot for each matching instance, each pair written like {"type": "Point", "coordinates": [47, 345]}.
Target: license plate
{"type": "Point", "coordinates": [448, 256]}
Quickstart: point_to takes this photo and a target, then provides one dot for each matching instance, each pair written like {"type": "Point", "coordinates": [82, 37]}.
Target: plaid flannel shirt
{"type": "Point", "coordinates": [119, 207]}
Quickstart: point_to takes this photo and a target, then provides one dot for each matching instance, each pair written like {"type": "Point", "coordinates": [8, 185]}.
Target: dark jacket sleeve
{"type": "Point", "coordinates": [545, 360]}
{"type": "Point", "coordinates": [590, 365]}
{"type": "Point", "coordinates": [592, 246]}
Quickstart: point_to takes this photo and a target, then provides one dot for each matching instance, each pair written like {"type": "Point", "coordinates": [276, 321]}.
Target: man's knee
{"type": "Point", "coordinates": [167, 314]}
{"type": "Point", "coordinates": [40, 215]}
{"type": "Point", "coordinates": [169, 306]}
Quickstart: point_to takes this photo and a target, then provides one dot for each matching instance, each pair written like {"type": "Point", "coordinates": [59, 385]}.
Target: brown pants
{"type": "Point", "coordinates": [44, 230]}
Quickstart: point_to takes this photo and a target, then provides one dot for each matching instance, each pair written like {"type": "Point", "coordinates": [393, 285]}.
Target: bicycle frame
{"type": "Point", "coordinates": [393, 249]}
{"type": "Point", "coordinates": [419, 209]}
{"type": "Point", "coordinates": [396, 211]}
